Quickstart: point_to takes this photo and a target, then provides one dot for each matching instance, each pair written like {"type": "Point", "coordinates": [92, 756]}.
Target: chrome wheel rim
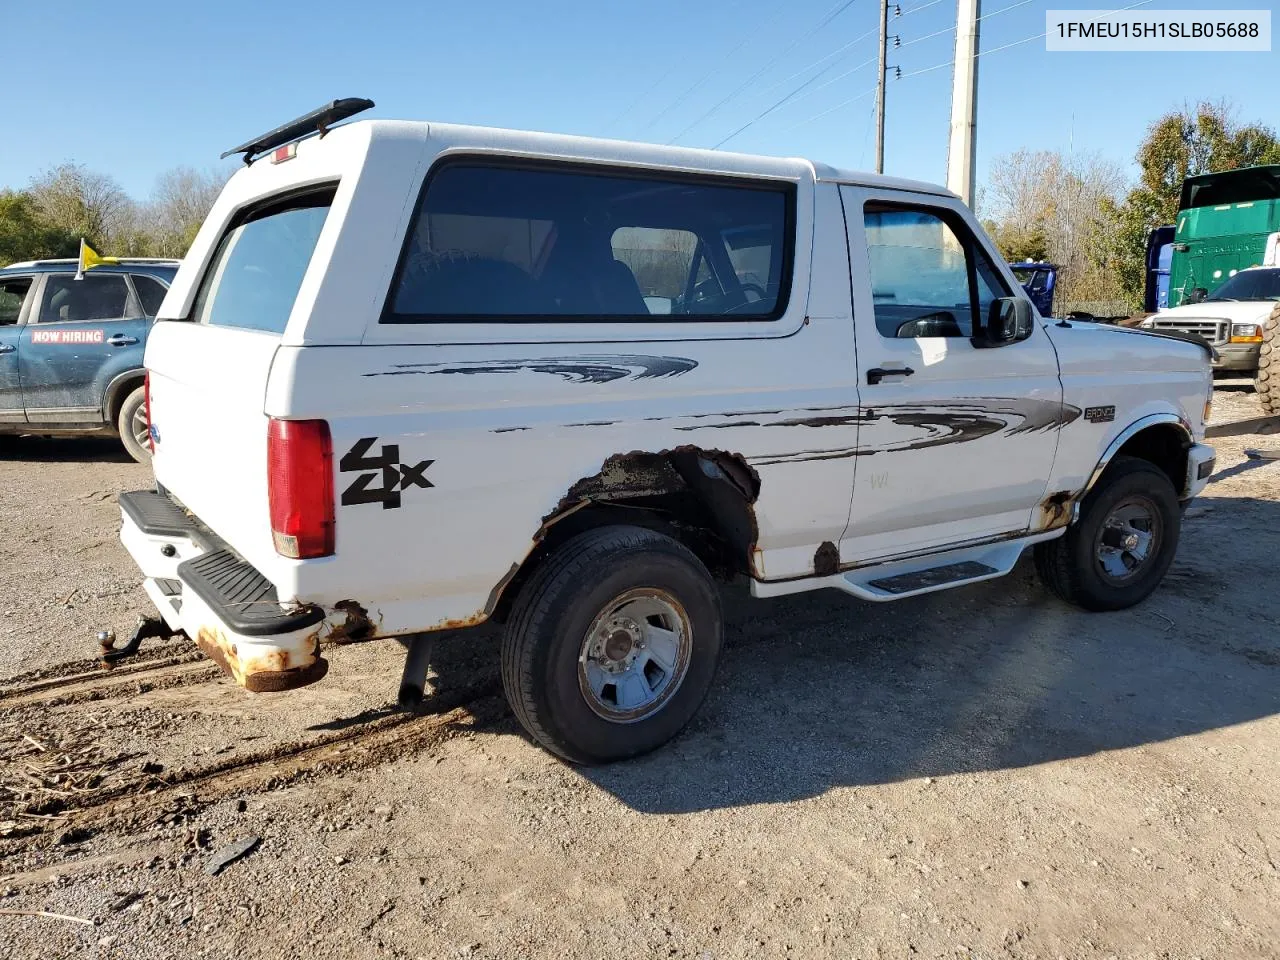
{"type": "Point", "coordinates": [1128, 539]}
{"type": "Point", "coordinates": [635, 655]}
{"type": "Point", "coordinates": [140, 428]}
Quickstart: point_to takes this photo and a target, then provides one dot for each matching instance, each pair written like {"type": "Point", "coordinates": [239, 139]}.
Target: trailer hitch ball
{"type": "Point", "coordinates": [148, 627]}
{"type": "Point", "coordinates": [107, 640]}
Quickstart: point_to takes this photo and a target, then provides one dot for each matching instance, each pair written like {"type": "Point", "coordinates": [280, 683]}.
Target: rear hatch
{"type": "Point", "coordinates": [208, 371]}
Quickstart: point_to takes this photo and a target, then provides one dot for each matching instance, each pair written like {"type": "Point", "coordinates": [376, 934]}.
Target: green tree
{"type": "Point", "coordinates": [91, 205]}
{"type": "Point", "coordinates": [1045, 206]}
{"type": "Point", "coordinates": [1185, 143]}
{"type": "Point", "coordinates": [1020, 243]}
{"type": "Point", "coordinates": [26, 235]}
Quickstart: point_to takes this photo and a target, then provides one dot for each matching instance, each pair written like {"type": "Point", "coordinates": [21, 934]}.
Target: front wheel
{"type": "Point", "coordinates": [132, 424]}
{"type": "Point", "coordinates": [612, 644]}
{"type": "Point", "coordinates": [1121, 548]}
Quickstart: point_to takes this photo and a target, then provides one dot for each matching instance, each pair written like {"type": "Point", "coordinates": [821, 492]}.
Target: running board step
{"type": "Point", "coordinates": [911, 577]}
{"type": "Point", "coordinates": [934, 577]}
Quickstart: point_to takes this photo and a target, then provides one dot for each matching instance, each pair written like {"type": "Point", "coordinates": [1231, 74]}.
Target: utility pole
{"type": "Point", "coordinates": [964, 102]}
{"type": "Point", "coordinates": [880, 87]}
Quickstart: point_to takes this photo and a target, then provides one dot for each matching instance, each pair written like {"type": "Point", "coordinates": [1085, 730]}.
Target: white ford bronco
{"type": "Point", "coordinates": [416, 376]}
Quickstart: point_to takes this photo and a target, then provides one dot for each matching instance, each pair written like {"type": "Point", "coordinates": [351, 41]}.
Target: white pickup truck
{"type": "Point", "coordinates": [416, 376]}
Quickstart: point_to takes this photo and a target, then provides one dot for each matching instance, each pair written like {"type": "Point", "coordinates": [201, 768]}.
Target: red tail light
{"type": "Point", "coordinates": [300, 487]}
{"type": "Point", "coordinates": [146, 402]}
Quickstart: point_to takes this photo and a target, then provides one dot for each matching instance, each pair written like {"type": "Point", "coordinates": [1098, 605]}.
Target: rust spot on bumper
{"type": "Point", "coordinates": [356, 627]}
{"type": "Point", "coordinates": [265, 673]}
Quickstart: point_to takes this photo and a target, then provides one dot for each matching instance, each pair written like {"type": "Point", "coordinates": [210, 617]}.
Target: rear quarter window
{"type": "Point", "coordinates": [150, 291]}
{"type": "Point", "coordinates": [256, 271]}
{"type": "Point", "coordinates": [507, 241]}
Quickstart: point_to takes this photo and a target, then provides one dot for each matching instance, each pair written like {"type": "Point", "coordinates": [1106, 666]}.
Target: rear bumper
{"type": "Point", "coordinates": [227, 607]}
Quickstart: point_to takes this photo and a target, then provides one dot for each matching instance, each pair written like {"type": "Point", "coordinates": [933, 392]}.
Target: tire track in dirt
{"type": "Point", "coordinates": [103, 684]}
{"type": "Point", "coordinates": [364, 743]}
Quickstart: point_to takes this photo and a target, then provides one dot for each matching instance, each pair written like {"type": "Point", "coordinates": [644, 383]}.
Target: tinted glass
{"type": "Point", "coordinates": [920, 275]}
{"type": "Point", "coordinates": [508, 242]}
{"type": "Point", "coordinates": [12, 293]}
{"type": "Point", "coordinates": [151, 292]}
{"type": "Point", "coordinates": [258, 268]}
{"type": "Point", "coordinates": [1251, 184]}
{"type": "Point", "coordinates": [1250, 285]}
{"type": "Point", "coordinates": [95, 297]}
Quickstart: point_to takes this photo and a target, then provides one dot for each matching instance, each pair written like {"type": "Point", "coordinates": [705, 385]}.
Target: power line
{"type": "Point", "coordinates": [834, 53]}
{"type": "Point", "coordinates": [751, 35]}
{"type": "Point", "coordinates": [797, 93]}
{"type": "Point", "coordinates": [927, 36]}
{"type": "Point", "coordinates": [640, 99]}
{"type": "Point", "coordinates": [838, 106]}
{"type": "Point", "coordinates": [831, 15]}
{"type": "Point", "coordinates": [923, 6]}
{"type": "Point", "coordinates": [938, 66]}
{"type": "Point", "coordinates": [1015, 43]}
{"type": "Point", "coordinates": [985, 16]}
{"type": "Point", "coordinates": [1012, 6]}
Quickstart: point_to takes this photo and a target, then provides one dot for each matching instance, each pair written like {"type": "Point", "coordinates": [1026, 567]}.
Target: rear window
{"type": "Point", "coordinates": [259, 264]}
{"type": "Point", "coordinates": [92, 297]}
{"type": "Point", "coordinates": [150, 291]}
{"type": "Point", "coordinates": [509, 242]}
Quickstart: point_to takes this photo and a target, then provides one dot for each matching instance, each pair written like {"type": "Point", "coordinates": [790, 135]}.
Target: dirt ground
{"type": "Point", "coordinates": [980, 773]}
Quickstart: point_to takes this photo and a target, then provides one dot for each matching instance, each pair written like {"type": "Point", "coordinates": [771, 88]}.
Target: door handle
{"type": "Point", "coordinates": [7, 348]}
{"type": "Point", "coordinates": [876, 374]}
{"type": "Point", "coordinates": [121, 340]}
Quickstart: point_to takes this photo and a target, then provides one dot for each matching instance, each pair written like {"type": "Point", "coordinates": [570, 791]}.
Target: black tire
{"type": "Point", "coordinates": [1267, 382]}
{"type": "Point", "coordinates": [550, 622]}
{"type": "Point", "coordinates": [126, 420]}
{"type": "Point", "coordinates": [1069, 565]}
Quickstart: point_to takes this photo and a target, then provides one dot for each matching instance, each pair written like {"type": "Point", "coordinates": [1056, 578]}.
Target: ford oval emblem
{"type": "Point", "coordinates": [155, 433]}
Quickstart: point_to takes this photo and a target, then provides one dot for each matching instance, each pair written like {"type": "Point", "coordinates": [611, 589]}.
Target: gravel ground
{"type": "Point", "coordinates": [981, 773]}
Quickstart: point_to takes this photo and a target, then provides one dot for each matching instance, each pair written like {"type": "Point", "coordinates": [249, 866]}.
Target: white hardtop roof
{"type": "Point", "coordinates": [622, 151]}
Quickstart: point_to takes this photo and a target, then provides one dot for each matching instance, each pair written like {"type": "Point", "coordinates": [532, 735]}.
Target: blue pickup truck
{"type": "Point", "coordinates": [71, 349]}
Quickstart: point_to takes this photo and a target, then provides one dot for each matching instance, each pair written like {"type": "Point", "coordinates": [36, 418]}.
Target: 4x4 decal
{"type": "Point", "coordinates": [395, 476]}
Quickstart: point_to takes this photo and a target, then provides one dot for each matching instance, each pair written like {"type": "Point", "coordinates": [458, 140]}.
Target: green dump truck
{"type": "Point", "coordinates": [1224, 220]}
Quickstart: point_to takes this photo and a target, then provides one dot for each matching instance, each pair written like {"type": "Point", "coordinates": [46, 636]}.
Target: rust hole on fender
{"type": "Point", "coordinates": [1055, 510]}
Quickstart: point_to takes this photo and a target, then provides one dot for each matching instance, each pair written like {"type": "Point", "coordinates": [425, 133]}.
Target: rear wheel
{"type": "Point", "coordinates": [1121, 548]}
{"type": "Point", "coordinates": [131, 421]}
{"type": "Point", "coordinates": [1267, 383]}
{"type": "Point", "coordinates": [612, 644]}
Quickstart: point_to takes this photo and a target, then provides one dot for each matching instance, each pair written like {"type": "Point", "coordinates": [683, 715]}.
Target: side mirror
{"type": "Point", "coordinates": [1198, 295]}
{"type": "Point", "coordinates": [1008, 321]}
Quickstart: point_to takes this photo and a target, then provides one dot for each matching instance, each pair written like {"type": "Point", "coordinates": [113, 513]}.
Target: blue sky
{"type": "Point", "coordinates": [135, 87]}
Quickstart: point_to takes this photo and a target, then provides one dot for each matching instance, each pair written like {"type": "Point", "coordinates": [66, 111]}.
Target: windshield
{"type": "Point", "coordinates": [1031, 279]}
{"type": "Point", "coordinates": [1250, 285]}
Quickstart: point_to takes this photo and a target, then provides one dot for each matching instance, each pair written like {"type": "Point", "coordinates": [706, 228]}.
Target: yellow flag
{"type": "Point", "coordinates": [90, 258]}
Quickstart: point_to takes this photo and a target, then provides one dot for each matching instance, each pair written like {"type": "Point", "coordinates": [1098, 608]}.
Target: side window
{"type": "Point", "coordinates": [259, 264]}
{"type": "Point", "coordinates": [150, 291]}
{"type": "Point", "coordinates": [922, 283]}
{"type": "Point", "coordinates": [12, 293]}
{"type": "Point", "coordinates": [510, 242]}
{"type": "Point", "coordinates": [101, 297]}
